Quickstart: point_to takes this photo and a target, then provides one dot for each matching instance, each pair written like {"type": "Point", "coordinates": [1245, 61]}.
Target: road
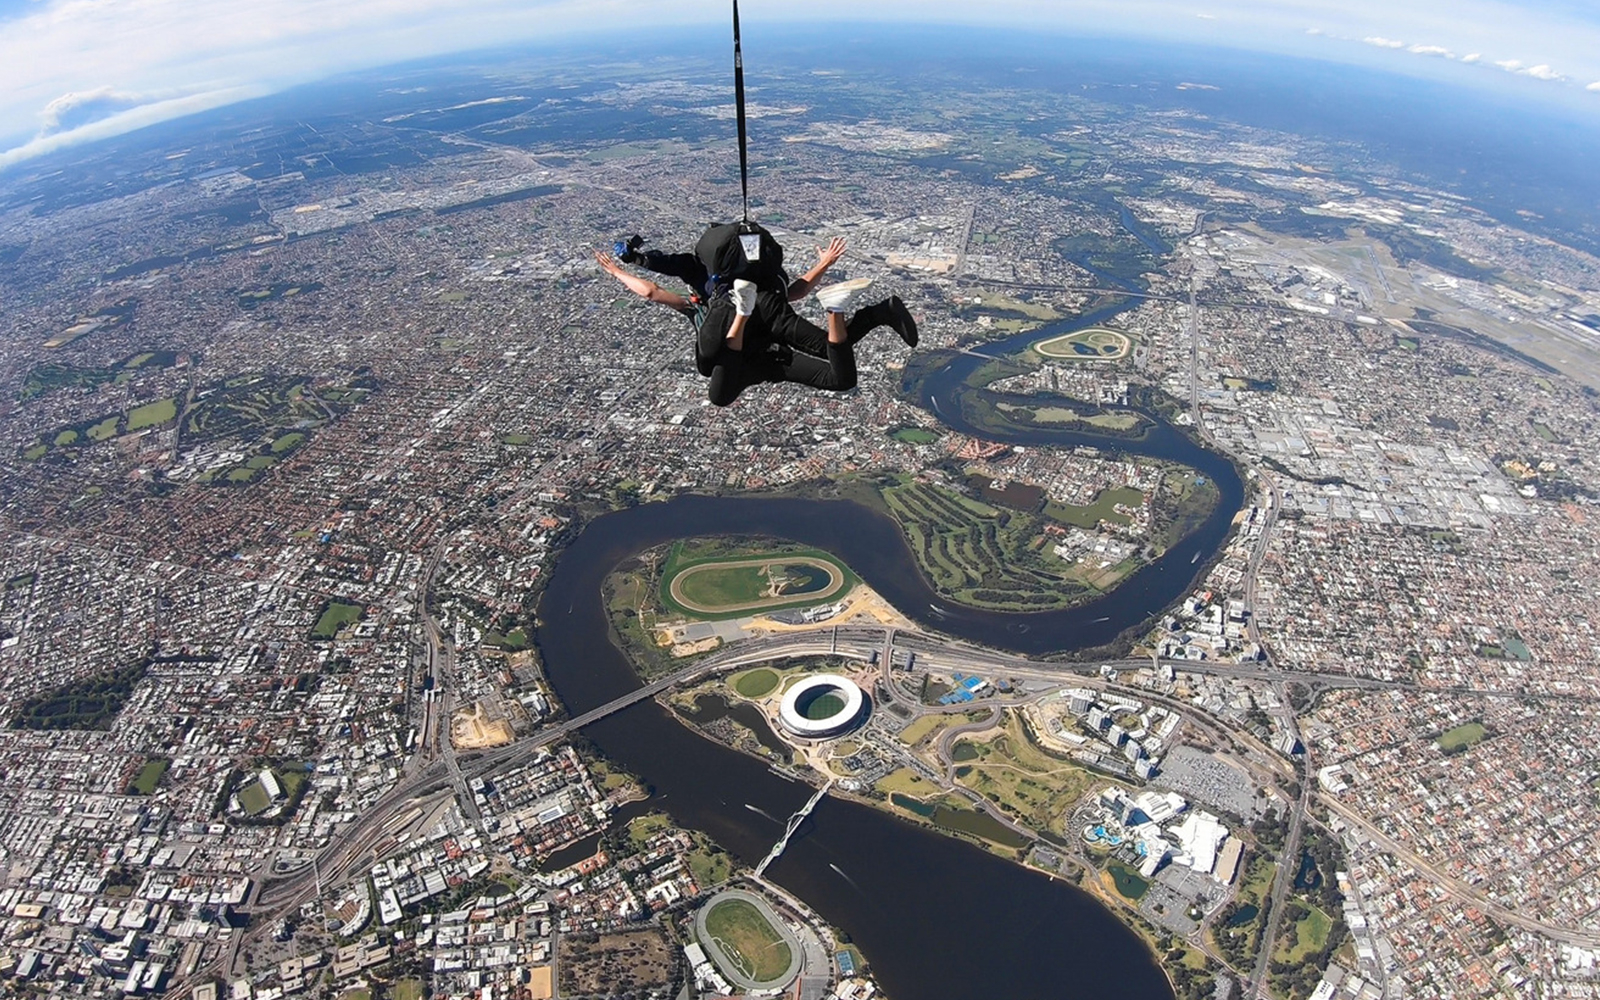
{"type": "Point", "coordinates": [356, 846]}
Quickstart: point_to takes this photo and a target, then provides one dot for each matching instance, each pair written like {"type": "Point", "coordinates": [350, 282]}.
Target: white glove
{"type": "Point", "coordinates": [744, 297]}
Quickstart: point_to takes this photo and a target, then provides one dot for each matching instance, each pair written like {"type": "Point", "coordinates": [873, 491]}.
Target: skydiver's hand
{"type": "Point", "coordinates": [744, 297]}
{"type": "Point", "coordinates": [829, 255]}
{"type": "Point", "coordinates": [607, 262]}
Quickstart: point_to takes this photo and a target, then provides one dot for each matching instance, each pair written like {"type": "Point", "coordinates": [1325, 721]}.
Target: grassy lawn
{"type": "Point", "coordinates": [104, 429]}
{"type": "Point", "coordinates": [35, 453]}
{"type": "Point", "coordinates": [335, 617]}
{"type": "Point", "coordinates": [1028, 784]}
{"type": "Point", "coordinates": [718, 587]}
{"type": "Point", "coordinates": [254, 798]}
{"type": "Point", "coordinates": [709, 869]}
{"type": "Point", "coordinates": [152, 414]}
{"type": "Point", "coordinates": [756, 683]}
{"type": "Point", "coordinates": [242, 475]}
{"type": "Point", "coordinates": [642, 828]}
{"type": "Point", "coordinates": [149, 775]}
{"type": "Point", "coordinates": [748, 940]}
{"type": "Point", "coordinates": [1311, 930]}
{"type": "Point", "coordinates": [66, 437]}
{"type": "Point", "coordinates": [915, 435]}
{"type": "Point", "coordinates": [259, 462]}
{"type": "Point", "coordinates": [708, 586]}
{"type": "Point", "coordinates": [287, 442]}
{"type": "Point", "coordinates": [408, 989]}
{"type": "Point", "coordinates": [906, 782]}
{"type": "Point", "coordinates": [516, 439]}
{"type": "Point", "coordinates": [1463, 736]}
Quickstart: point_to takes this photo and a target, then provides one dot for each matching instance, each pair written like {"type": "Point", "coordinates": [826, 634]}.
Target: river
{"type": "Point", "coordinates": [937, 918]}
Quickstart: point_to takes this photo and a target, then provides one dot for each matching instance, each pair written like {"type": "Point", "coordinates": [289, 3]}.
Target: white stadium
{"type": "Point", "coordinates": [822, 706]}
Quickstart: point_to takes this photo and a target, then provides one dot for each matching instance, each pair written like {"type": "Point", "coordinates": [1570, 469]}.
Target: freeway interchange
{"type": "Point", "coordinates": [436, 770]}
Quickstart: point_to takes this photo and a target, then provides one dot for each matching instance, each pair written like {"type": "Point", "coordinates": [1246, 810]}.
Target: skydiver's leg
{"type": "Point", "coordinates": [788, 326]}
{"type": "Point", "coordinates": [835, 371]}
{"type": "Point", "coordinates": [735, 371]}
{"type": "Point", "coordinates": [891, 312]}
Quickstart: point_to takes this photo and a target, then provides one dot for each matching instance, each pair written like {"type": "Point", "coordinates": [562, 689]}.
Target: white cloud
{"type": "Point", "coordinates": [1595, 86]}
{"type": "Point", "coordinates": [48, 141]}
{"type": "Point", "coordinates": [68, 64]}
{"type": "Point", "coordinates": [1510, 65]}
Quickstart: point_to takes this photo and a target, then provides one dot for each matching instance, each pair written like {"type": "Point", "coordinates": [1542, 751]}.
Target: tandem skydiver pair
{"type": "Point", "coordinates": [747, 332]}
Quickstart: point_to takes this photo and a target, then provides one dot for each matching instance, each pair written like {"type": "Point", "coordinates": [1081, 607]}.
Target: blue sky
{"type": "Point", "coordinates": [77, 70]}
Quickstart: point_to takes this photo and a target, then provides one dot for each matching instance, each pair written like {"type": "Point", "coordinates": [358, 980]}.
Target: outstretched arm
{"type": "Point", "coordinates": [826, 257]}
{"type": "Point", "coordinates": [642, 287]}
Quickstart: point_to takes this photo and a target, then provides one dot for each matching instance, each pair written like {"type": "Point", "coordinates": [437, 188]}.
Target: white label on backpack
{"type": "Point", "coordinates": [751, 243]}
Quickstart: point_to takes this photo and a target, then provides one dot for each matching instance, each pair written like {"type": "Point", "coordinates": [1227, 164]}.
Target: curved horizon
{"type": "Point", "coordinates": [74, 72]}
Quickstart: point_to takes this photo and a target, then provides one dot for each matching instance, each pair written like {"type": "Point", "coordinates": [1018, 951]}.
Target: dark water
{"type": "Point", "coordinates": [937, 918]}
{"type": "Point", "coordinates": [897, 889]}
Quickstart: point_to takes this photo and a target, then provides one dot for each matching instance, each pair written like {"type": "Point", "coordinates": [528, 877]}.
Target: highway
{"type": "Point", "coordinates": [358, 845]}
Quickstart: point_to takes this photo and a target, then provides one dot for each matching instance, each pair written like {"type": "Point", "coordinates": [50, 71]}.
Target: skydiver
{"type": "Point", "coordinates": [693, 271]}
{"type": "Point", "coordinates": [749, 335]}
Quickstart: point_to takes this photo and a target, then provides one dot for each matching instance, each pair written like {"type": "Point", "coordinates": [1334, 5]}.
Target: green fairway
{"type": "Point", "coordinates": [66, 437]}
{"type": "Point", "coordinates": [748, 940]}
{"type": "Point", "coordinates": [152, 414]}
{"type": "Point", "coordinates": [335, 617]}
{"type": "Point", "coordinates": [756, 683]}
{"type": "Point", "coordinates": [978, 554]}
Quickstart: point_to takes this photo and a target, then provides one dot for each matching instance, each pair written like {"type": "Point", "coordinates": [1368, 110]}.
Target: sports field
{"type": "Point", "coordinates": [1093, 344]}
{"type": "Point", "coordinates": [757, 583]}
{"type": "Point", "coordinates": [748, 940]}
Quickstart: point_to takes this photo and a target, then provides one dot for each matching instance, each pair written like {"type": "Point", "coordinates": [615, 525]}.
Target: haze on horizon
{"type": "Point", "coordinates": [74, 71]}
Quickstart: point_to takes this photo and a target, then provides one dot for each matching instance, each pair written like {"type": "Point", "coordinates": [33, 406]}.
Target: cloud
{"type": "Point", "coordinates": [117, 123]}
{"type": "Point", "coordinates": [1432, 50]}
{"type": "Point", "coordinates": [1595, 86]}
{"type": "Point", "coordinates": [1543, 72]}
{"type": "Point", "coordinates": [80, 108]}
{"type": "Point", "coordinates": [1510, 65]}
{"type": "Point", "coordinates": [1472, 57]}
{"type": "Point", "coordinates": [1384, 43]}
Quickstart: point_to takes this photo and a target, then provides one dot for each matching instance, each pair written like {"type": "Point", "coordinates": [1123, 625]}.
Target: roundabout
{"type": "Point", "coordinates": [821, 706]}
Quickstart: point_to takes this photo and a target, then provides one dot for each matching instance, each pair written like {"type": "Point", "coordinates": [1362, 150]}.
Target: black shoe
{"type": "Point", "coordinates": [627, 250]}
{"type": "Point", "coordinates": [900, 319]}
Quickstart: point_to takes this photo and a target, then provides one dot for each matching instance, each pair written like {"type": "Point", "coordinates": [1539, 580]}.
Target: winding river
{"type": "Point", "coordinates": [938, 919]}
